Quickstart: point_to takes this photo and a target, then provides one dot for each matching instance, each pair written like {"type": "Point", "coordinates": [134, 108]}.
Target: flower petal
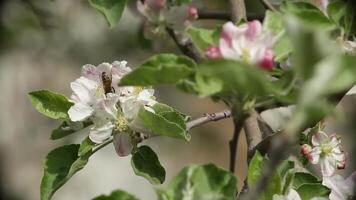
{"type": "Point", "coordinates": [314, 155]}
{"type": "Point", "coordinates": [319, 138]}
{"type": "Point", "coordinates": [100, 134]}
{"type": "Point", "coordinates": [91, 72]}
{"type": "Point", "coordinates": [328, 166]}
{"type": "Point", "coordinates": [123, 144]}
{"type": "Point", "coordinates": [80, 112]}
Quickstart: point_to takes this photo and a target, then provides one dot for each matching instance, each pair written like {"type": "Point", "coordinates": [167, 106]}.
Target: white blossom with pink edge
{"type": "Point", "coordinates": [340, 188]}
{"type": "Point", "coordinates": [247, 43]}
{"type": "Point", "coordinates": [325, 151]}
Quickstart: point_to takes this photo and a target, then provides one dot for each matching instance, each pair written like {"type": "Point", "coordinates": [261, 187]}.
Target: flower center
{"type": "Point", "coordinates": [99, 92]}
{"type": "Point", "coordinates": [137, 90]}
{"type": "Point", "coordinates": [121, 124]}
{"type": "Point", "coordinates": [326, 149]}
{"type": "Point", "coordinates": [246, 56]}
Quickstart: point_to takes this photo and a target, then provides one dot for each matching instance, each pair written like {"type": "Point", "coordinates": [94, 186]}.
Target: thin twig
{"type": "Point", "coordinates": [268, 5]}
{"type": "Point", "coordinates": [187, 47]}
{"type": "Point", "coordinates": [102, 145]}
{"type": "Point", "coordinates": [208, 117]}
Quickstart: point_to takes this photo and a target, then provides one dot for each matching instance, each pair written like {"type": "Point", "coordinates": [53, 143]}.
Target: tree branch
{"type": "Point", "coordinates": [208, 117]}
{"type": "Point", "coordinates": [226, 16]}
{"type": "Point", "coordinates": [238, 119]}
{"type": "Point", "coordinates": [268, 5]}
{"type": "Point", "coordinates": [238, 10]}
{"type": "Point", "coordinates": [187, 47]}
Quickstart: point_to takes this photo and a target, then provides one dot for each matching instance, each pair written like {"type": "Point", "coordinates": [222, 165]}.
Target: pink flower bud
{"type": "Point", "coordinates": [213, 52]}
{"type": "Point", "coordinates": [267, 61]}
{"type": "Point", "coordinates": [192, 12]}
{"type": "Point", "coordinates": [305, 149]}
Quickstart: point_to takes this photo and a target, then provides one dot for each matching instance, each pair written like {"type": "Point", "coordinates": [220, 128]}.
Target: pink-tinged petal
{"type": "Point", "coordinates": [340, 188]}
{"type": "Point", "coordinates": [314, 155]}
{"type": "Point", "coordinates": [254, 30]}
{"type": "Point", "coordinates": [213, 52]}
{"type": "Point", "coordinates": [267, 61]}
{"type": "Point", "coordinates": [109, 105]}
{"type": "Point", "coordinates": [328, 166]}
{"type": "Point", "coordinates": [100, 134]}
{"type": "Point", "coordinates": [334, 141]}
{"type": "Point", "coordinates": [319, 138]}
{"type": "Point", "coordinates": [104, 67]}
{"type": "Point", "coordinates": [123, 144]}
{"type": "Point", "coordinates": [305, 149]}
{"type": "Point", "coordinates": [341, 160]}
{"type": "Point", "coordinates": [80, 112]}
{"type": "Point", "coordinates": [227, 34]}
{"type": "Point", "coordinates": [89, 71]}
{"type": "Point", "coordinates": [192, 12]}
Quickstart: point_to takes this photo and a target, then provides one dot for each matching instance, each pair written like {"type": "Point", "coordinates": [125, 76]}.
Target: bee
{"type": "Point", "coordinates": [107, 80]}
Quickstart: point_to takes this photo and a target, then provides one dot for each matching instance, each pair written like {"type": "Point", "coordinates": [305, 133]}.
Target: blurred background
{"type": "Point", "coordinates": [43, 45]}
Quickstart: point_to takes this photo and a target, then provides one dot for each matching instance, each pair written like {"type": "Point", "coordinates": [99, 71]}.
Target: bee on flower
{"type": "Point", "coordinates": [112, 109]}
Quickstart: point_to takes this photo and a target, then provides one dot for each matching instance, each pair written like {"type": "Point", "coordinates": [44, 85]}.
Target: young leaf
{"type": "Point", "coordinates": [160, 69]}
{"type": "Point", "coordinates": [60, 165]}
{"type": "Point", "coordinates": [308, 13]}
{"type": "Point", "coordinates": [206, 182]}
{"type": "Point", "coordinates": [204, 38]}
{"type": "Point", "coordinates": [164, 122]}
{"type": "Point", "coordinates": [50, 104]}
{"type": "Point", "coordinates": [273, 21]}
{"type": "Point", "coordinates": [310, 190]}
{"type": "Point", "coordinates": [336, 11]}
{"type": "Point", "coordinates": [217, 76]}
{"type": "Point", "coordinates": [255, 169]}
{"type": "Point", "coordinates": [301, 178]}
{"type": "Point", "coordinates": [310, 45]}
{"type": "Point", "coordinates": [111, 9]}
{"type": "Point", "coordinates": [145, 163]}
{"type": "Point", "coordinates": [86, 146]}
{"type": "Point", "coordinates": [117, 195]}
{"type": "Point", "coordinates": [350, 18]}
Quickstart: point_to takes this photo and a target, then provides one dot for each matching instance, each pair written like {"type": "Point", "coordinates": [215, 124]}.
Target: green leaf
{"type": "Point", "coordinates": [67, 128]}
{"type": "Point", "coordinates": [60, 165]}
{"type": "Point", "coordinates": [216, 76]}
{"type": "Point", "coordinates": [206, 182]}
{"type": "Point", "coordinates": [336, 11]}
{"type": "Point", "coordinates": [86, 146]}
{"type": "Point", "coordinates": [310, 45]}
{"type": "Point", "coordinates": [308, 13]}
{"type": "Point", "coordinates": [255, 169]}
{"type": "Point", "coordinates": [350, 18]}
{"type": "Point", "coordinates": [165, 121]}
{"type": "Point", "coordinates": [301, 178]}
{"type": "Point", "coordinates": [117, 195]}
{"type": "Point", "coordinates": [311, 190]}
{"type": "Point", "coordinates": [204, 38]}
{"type": "Point", "coordinates": [50, 104]}
{"type": "Point", "coordinates": [145, 163]}
{"type": "Point", "coordinates": [160, 69]}
{"type": "Point", "coordinates": [273, 22]}
{"type": "Point", "coordinates": [111, 9]}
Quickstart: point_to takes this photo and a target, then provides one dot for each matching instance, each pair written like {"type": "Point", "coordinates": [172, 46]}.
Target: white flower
{"type": "Point", "coordinates": [133, 98]}
{"type": "Point", "coordinates": [340, 188]}
{"type": "Point", "coordinates": [292, 195]}
{"type": "Point", "coordinates": [247, 43]}
{"type": "Point", "coordinates": [325, 151]}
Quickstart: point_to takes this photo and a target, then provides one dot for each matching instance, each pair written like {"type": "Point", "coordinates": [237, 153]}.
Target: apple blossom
{"type": "Point", "coordinates": [340, 188]}
{"type": "Point", "coordinates": [325, 151]}
{"type": "Point", "coordinates": [247, 43]}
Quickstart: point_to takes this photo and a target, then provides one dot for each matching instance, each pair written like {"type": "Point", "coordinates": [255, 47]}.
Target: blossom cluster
{"type": "Point", "coordinates": [112, 109]}
{"type": "Point", "coordinates": [159, 15]}
{"type": "Point", "coordinates": [246, 42]}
